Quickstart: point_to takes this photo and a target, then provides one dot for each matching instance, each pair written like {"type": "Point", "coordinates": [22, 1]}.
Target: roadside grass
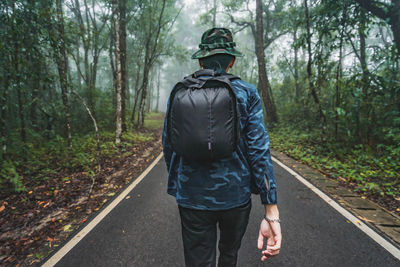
{"type": "Point", "coordinates": [358, 166]}
{"type": "Point", "coordinates": [40, 158]}
{"type": "Point", "coordinates": [154, 120]}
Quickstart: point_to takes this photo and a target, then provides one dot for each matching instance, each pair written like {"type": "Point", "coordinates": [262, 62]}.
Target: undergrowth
{"type": "Point", "coordinates": [368, 170]}
{"type": "Point", "coordinates": [39, 159]}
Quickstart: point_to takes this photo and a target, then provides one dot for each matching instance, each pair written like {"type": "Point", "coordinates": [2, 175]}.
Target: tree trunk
{"type": "Point", "coordinates": [122, 47]}
{"type": "Point", "coordinates": [264, 86]}
{"type": "Point", "coordinates": [151, 91]}
{"type": "Point", "coordinates": [296, 66]}
{"type": "Point", "coordinates": [214, 14]}
{"type": "Point", "coordinates": [137, 93]}
{"type": "Point", "coordinates": [390, 13]}
{"type": "Point", "coordinates": [143, 89]}
{"type": "Point", "coordinates": [17, 76]}
{"type": "Point", "coordinates": [309, 70]}
{"type": "Point", "coordinates": [365, 107]}
{"type": "Point", "coordinates": [158, 89]}
{"type": "Point", "coordinates": [3, 114]}
{"type": "Point", "coordinates": [339, 73]}
{"type": "Point", "coordinates": [118, 82]}
{"type": "Point", "coordinates": [395, 24]}
{"type": "Point", "coordinates": [62, 66]}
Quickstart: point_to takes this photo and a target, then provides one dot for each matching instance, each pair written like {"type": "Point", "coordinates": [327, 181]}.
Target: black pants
{"type": "Point", "coordinates": [199, 234]}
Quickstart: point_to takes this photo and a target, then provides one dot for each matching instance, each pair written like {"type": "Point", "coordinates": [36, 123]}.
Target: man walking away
{"type": "Point", "coordinates": [216, 149]}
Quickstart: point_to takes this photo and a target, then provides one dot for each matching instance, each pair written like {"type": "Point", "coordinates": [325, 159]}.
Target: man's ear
{"type": "Point", "coordinates": [232, 63]}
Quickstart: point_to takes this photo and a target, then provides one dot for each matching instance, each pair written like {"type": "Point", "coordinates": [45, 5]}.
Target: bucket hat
{"type": "Point", "coordinates": [216, 41]}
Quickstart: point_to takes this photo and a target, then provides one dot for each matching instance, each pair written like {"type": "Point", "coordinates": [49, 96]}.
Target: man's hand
{"type": "Point", "coordinates": [272, 232]}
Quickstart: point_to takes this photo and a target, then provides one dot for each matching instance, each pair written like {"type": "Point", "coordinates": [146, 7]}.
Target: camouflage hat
{"type": "Point", "coordinates": [216, 41]}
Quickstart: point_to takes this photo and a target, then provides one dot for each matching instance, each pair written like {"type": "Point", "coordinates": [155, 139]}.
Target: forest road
{"type": "Point", "coordinates": [144, 230]}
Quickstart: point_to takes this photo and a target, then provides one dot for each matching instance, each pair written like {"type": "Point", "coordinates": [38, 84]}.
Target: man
{"type": "Point", "coordinates": [219, 193]}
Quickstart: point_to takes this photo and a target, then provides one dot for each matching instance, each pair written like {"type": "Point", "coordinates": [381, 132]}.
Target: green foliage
{"type": "Point", "coordinates": [369, 171]}
{"type": "Point", "coordinates": [44, 158]}
{"type": "Point", "coordinates": [153, 121]}
{"type": "Point", "coordinates": [10, 176]}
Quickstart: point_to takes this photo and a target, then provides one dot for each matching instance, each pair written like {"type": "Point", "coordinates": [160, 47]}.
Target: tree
{"type": "Point", "coordinates": [309, 66]}
{"type": "Point", "coordinates": [58, 40]}
{"type": "Point", "coordinates": [264, 86]}
{"type": "Point", "coordinates": [90, 34]}
{"type": "Point", "coordinates": [389, 12]}
{"type": "Point", "coordinates": [263, 38]}
{"type": "Point", "coordinates": [118, 78]}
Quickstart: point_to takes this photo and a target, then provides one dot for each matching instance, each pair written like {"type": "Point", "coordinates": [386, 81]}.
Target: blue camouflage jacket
{"type": "Point", "coordinates": [227, 183]}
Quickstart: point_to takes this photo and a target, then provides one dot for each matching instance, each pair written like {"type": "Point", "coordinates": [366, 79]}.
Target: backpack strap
{"type": "Point", "coordinates": [204, 72]}
{"type": "Point", "coordinates": [197, 81]}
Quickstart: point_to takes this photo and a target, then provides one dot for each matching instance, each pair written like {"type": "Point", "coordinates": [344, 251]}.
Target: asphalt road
{"type": "Point", "coordinates": [144, 230]}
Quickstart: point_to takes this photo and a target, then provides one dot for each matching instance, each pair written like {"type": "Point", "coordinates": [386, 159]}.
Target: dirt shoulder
{"type": "Point", "coordinates": [35, 223]}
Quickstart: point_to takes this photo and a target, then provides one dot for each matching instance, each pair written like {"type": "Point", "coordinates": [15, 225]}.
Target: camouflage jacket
{"type": "Point", "coordinates": [227, 183]}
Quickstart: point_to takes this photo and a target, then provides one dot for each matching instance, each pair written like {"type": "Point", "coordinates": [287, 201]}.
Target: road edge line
{"type": "Point", "coordinates": [353, 219]}
{"type": "Point", "coordinates": [99, 217]}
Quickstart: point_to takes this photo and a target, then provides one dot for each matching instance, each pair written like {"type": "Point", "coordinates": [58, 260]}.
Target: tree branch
{"type": "Point", "coordinates": [374, 9]}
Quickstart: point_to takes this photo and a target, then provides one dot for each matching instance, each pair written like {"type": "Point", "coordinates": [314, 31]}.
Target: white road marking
{"type": "Point", "coordinates": [82, 233]}
{"type": "Point", "coordinates": [362, 226]}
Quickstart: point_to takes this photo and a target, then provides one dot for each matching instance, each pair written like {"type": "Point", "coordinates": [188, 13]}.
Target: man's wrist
{"type": "Point", "coordinates": [271, 211]}
{"type": "Point", "coordinates": [271, 220]}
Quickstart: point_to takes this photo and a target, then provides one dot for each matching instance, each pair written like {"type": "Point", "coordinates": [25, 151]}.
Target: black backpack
{"type": "Point", "coordinates": [203, 119]}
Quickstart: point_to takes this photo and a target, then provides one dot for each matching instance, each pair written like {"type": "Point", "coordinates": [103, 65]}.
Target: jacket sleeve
{"type": "Point", "coordinates": [259, 152]}
{"type": "Point", "coordinates": [167, 149]}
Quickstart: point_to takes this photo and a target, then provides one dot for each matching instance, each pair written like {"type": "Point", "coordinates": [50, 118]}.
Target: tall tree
{"type": "Point", "coordinates": [58, 40]}
{"type": "Point", "coordinates": [264, 87]}
{"type": "Point", "coordinates": [158, 20]}
{"type": "Point", "coordinates": [122, 49]}
{"type": "Point", "coordinates": [309, 65]}
{"type": "Point", "coordinates": [90, 32]}
{"type": "Point", "coordinates": [389, 12]}
{"type": "Point", "coordinates": [118, 80]}
{"type": "Point", "coordinates": [266, 28]}
{"type": "Point", "coordinates": [16, 71]}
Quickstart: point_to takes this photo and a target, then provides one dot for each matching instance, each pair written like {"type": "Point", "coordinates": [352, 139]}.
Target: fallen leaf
{"type": "Point", "coordinates": [111, 194]}
{"type": "Point", "coordinates": [347, 221]}
{"type": "Point", "coordinates": [41, 202]}
{"type": "Point", "coordinates": [84, 220]}
{"type": "Point", "coordinates": [67, 228]}
{"type": "Point", "coordinates": [30, 192]}
{"type": "Point", "coordinates": [128, 197]}
{"type": "Point", "coordinates": [2, 208]}
{"type": "Point", "coordinates": [55, 192]}
{"type": "Point", "coordinates": [398, 209]}
{"type": "Point", "coordinates": [357, 222]}
{"type": "Point", "coordinates": [364, 219]}
{"type": "Point", "coordinates": [77, 208]}
{"type": "Point", "coordinates": [363, 197]}
{"type": "Point", "coordinates": [48, 203]}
